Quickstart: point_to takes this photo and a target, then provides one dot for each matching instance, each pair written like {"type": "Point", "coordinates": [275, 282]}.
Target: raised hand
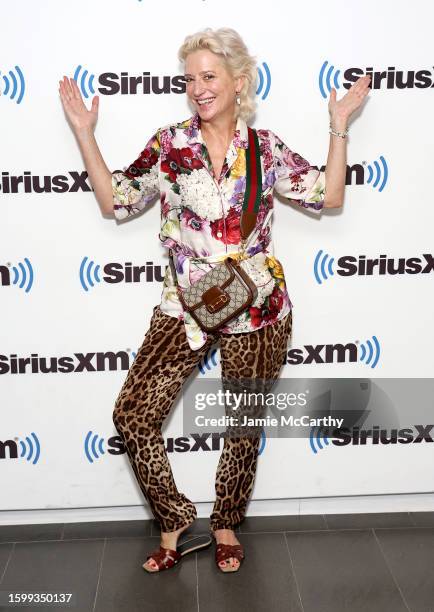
{"type": "Point", "coordinates": [74, 107]}
{"type": "Point", "coordinates": [340, 110]}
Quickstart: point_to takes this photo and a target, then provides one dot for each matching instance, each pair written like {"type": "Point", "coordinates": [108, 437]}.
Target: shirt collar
{"type": "Point", "coordinates": [240, 140]}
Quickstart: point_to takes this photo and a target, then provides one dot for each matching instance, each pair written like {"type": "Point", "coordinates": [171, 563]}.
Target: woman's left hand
{"type": "Point", "coordinates": [341, 110]}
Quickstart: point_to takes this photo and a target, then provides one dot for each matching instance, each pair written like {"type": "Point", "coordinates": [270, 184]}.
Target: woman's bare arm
{"type": "Point", "coordinates": [340, 112]}
{"type": "Point", "coordinates": [83, 122]}
{"type": "Point", "coordinates": [100, 176]}
{"type": "Point", "coordinates": [336, 167]}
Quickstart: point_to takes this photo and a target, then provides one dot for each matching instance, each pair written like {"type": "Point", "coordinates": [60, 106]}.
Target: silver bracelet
{"type": "Point", "coordinates": [341, 134]}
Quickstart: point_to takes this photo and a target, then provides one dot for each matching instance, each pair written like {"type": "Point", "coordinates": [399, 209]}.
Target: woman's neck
{"type": "Point", "coordinates": [220, 129]}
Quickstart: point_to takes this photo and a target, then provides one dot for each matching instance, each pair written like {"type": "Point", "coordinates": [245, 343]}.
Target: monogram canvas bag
{"type": "Point", "coordinates": [226, 290]}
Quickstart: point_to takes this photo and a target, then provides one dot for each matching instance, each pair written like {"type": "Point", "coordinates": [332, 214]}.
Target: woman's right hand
{"type": "Point", "coordinates": [80, 118]}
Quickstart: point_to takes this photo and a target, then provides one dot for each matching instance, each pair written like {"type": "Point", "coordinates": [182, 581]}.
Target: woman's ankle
{"type": "Point", "coordinates": [170, 535]}
{"type": "Point", "coordinates": [223, 530]}
{"type": "Point", "coordinates": [225, 536]}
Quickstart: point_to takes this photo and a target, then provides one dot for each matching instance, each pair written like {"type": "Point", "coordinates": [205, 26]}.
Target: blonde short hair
{"type": "Point", "coordinates": [227, 43]}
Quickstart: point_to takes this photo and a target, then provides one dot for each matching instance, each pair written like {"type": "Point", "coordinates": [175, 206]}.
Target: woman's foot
{"type": "Point", "coordinates": [227, 536]}
{"type": "Point", "coordinates": [168, 539]}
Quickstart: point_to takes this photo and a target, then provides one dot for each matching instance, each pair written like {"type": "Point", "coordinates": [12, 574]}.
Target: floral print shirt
{"type": "Point", "coordinates": [200, 213]}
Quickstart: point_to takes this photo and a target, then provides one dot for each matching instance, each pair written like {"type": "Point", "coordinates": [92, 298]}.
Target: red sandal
{"type": "Point", "coordinates": [225, 551]}
{"type": "Point", "coordinates": [166, 558]}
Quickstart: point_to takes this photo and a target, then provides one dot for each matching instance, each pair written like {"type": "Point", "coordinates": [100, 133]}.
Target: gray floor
{"type": "Point", "coordinates": [318, 563]}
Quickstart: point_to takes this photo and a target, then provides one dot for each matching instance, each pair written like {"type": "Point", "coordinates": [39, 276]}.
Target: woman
{"type": "Point", "coordinates": [198, 168]}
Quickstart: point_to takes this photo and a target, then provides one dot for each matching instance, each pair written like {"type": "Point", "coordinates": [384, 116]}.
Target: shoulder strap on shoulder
{"type": "Point", "coordinates": [252, 194]}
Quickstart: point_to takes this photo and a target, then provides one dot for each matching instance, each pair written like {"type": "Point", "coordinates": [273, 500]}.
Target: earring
{"type": "Point", "coordinates": [238, 99]}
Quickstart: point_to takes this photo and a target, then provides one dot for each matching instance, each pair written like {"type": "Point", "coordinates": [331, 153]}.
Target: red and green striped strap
{"type": "Point", "coordinates": [252, 194]}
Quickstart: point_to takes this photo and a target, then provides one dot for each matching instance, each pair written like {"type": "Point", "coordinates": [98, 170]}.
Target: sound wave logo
{"type": "Point", "coordinates": [317, 437]}
{"type": "Point", "coordinates": [323, 266]}
{"type": "Point", "coordinates": [30, 448]}
{"type": "Point", "coordinates": [85, 81]}
{"type": "Point", "coordinates": [23, 275]}
{"type": "Point", "coordinates": [264, 77]}
{"type": "Point", "coordinates": [14, 85]}
{"type": "Point", "coordinates": [370, 352]}
{"type": "Point", "coordinates": [88, 273]}
{"type": "Point", "coordinates": [208, 361]}
{"type": "Point", "coordinates": [93, 446]}
{"type": "Point", "coordinates": [379, 174]}
{"type": "Point", "coordinates": [325, 78]}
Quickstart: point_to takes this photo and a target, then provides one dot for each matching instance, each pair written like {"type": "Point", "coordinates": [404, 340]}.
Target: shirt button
{"type": "Point", "coordinates": [219, 234]}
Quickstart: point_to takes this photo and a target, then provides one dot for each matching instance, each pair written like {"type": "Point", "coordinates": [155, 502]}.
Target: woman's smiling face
{"type": "Point", "coordinates": [208, 79]}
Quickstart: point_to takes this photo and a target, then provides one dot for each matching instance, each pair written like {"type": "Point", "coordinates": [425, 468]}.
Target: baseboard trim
{"type": "Point", "coordinates": [405, 502]}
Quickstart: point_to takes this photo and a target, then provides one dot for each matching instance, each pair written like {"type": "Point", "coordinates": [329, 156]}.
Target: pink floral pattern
{"type": "Point", "coordinates": [200, 214]}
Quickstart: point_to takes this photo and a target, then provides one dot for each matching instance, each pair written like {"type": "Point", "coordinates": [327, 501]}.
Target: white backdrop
{"type": "Point", "coordinates": [49, 421]}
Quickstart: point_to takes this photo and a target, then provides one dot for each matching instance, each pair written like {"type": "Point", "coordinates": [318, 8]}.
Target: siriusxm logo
{"type": "Point", "coordinates": [324, 266]}
{"type": "Point", "coordinates": [90, 273]}
{"type": "Point", "coordinates": [14, 85]}
{"type": "Point", "coordinates": [107, 361]}
{"type": "Point", "coordinates": [375, 173]}
{"type": "Point", "coordinates": [330, 76]}
{"type": "Point", "coordinates": [28, 448]}
{"type": "Point", "coordinates": [60, 183]}
{"type": "Point", "coordinates": [111, 83]}
{"type": "Point", "coordinates": [95, 445]}
{"type": "Point", "coordinates": [319, 436]}
{"type": "Point", "coordinates": [367, 352]}
{"type": "Point", "coordinates": [20, 275]}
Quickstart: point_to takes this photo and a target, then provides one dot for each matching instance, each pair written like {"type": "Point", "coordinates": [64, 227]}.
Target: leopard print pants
{"type": "Point", "coordinates": [163, 363]}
